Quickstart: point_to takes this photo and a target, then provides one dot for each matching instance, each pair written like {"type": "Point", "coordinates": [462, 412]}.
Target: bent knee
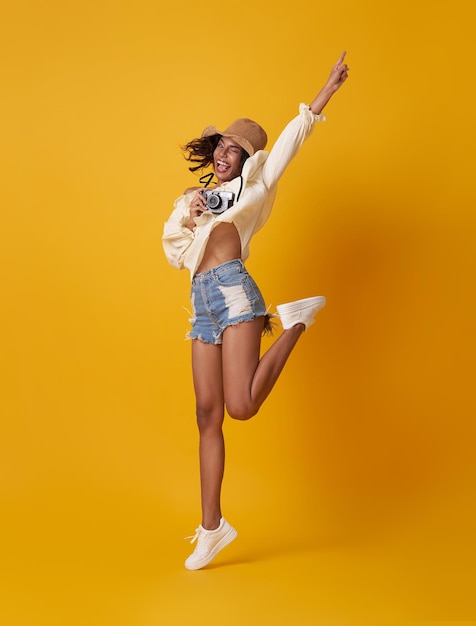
{"type": "Point", "coordinates": [241, 411]}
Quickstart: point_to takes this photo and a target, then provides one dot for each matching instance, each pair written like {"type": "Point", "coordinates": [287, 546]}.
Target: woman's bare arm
{"type": "Point", "coordinates": [336, 79]}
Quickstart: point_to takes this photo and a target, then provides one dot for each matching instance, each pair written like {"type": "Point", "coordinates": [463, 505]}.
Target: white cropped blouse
{"type": "Point", "coordinates": [184, 248]}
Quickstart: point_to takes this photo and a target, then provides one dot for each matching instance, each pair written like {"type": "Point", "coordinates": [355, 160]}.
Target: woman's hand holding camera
{"type": "Point", "coordinates": [197, 207]}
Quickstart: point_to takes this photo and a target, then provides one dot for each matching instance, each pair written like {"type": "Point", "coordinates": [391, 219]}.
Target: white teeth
{"type": "Point", "coordinates": [222, 164]}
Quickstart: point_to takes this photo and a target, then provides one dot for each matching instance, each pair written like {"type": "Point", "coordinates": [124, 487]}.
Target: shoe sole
{"type": "Point", "coordinates": [224, 541]}
{"type": "Point", "coordinates": [301, 305]}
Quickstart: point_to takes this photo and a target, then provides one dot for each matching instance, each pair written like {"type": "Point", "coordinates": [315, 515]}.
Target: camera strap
{"type": "Point", "coordinates": [241, 188]}
{"type": "Point", "coordinates": [207, 179]}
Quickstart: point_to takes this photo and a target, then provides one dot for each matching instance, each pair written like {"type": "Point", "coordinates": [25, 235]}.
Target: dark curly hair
{"type": "Point", "coordinates": [201, 151]}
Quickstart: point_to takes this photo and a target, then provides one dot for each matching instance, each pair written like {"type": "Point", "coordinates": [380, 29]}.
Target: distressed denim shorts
{"type": "Point", "coordinates": [221, 297]}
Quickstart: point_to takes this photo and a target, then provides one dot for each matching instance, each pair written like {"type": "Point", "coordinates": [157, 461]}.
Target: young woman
{"type": "Point", "coordinates": [209, 233]}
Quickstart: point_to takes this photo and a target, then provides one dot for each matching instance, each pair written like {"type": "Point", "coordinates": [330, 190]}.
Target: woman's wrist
{"type": "Point", "coordinates": [321, 100]}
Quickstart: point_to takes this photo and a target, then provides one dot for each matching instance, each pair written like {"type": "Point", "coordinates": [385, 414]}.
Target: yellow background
{"type": "Point", "coordinates": [353, 489]}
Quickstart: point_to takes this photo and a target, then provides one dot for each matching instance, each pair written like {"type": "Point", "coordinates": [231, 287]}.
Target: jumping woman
{"type": "Point", "coordinates": [209, 233]}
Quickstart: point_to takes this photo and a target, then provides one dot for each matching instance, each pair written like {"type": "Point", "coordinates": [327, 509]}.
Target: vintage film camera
{"type": "Point", "coordinates": [218, 201]}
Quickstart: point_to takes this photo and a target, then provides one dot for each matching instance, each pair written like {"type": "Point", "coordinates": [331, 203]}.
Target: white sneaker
{"type": "Point", "coordinates": [300, 312]}
{"type": "Point", "coordinates": [209, 544]}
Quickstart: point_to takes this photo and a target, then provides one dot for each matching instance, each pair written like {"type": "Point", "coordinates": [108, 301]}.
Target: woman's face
{"type": "Point", "coordinates": [227, 160]}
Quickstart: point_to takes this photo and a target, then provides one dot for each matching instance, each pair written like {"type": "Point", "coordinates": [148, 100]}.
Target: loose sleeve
{"type": "Point", "coordinates": [177, 238]}
{"type": "Point", "coordinates": [288, 143]}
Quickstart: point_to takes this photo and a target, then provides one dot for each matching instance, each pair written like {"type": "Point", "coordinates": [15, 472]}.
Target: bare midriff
{"type": "Point", "coordinates": [223, 245]}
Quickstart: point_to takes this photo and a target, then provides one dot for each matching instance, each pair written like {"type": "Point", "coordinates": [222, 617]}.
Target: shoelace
{"type": "Point", "coordinates": [200, 535]}
{"type": "Point", "coordinates": [195, 536]}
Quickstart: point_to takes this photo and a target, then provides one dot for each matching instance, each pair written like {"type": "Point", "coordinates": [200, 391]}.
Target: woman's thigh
{"type": "Point", "coordinates": [207, 373]}
{"type": "Point", "coordinates": [241, 354]}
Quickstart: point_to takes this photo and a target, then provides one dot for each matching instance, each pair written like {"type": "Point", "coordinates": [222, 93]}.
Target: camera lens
{"type": "Point", "coordinates": [213, 201]}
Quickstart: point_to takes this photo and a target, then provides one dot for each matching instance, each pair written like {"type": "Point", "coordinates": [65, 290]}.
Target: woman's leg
{"type": "Point", "coordinates": [247, 379]}
{"type": "Point", "coordinates": [208, 383]}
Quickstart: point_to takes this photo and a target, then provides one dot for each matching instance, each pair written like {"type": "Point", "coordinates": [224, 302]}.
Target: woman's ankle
{"type": "Point", "coordinates": [211, 522]}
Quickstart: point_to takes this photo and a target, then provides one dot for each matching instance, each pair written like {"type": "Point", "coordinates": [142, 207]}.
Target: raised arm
{"type": "Point", "coordinates": [336, 78]}
{"type": "Point", "coordinates": [296, 132]}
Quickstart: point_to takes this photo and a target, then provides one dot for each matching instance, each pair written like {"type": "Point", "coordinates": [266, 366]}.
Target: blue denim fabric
{"type": "Point", "coordinates": [223, 296]}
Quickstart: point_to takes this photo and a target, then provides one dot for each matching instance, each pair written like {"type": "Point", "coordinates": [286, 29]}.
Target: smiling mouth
{"type": "Point", "coordinates": [222, 166]}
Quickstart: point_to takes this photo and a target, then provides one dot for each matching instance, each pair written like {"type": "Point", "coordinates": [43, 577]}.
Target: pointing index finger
{"type": "Point", "coordinates": [341, 59]}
